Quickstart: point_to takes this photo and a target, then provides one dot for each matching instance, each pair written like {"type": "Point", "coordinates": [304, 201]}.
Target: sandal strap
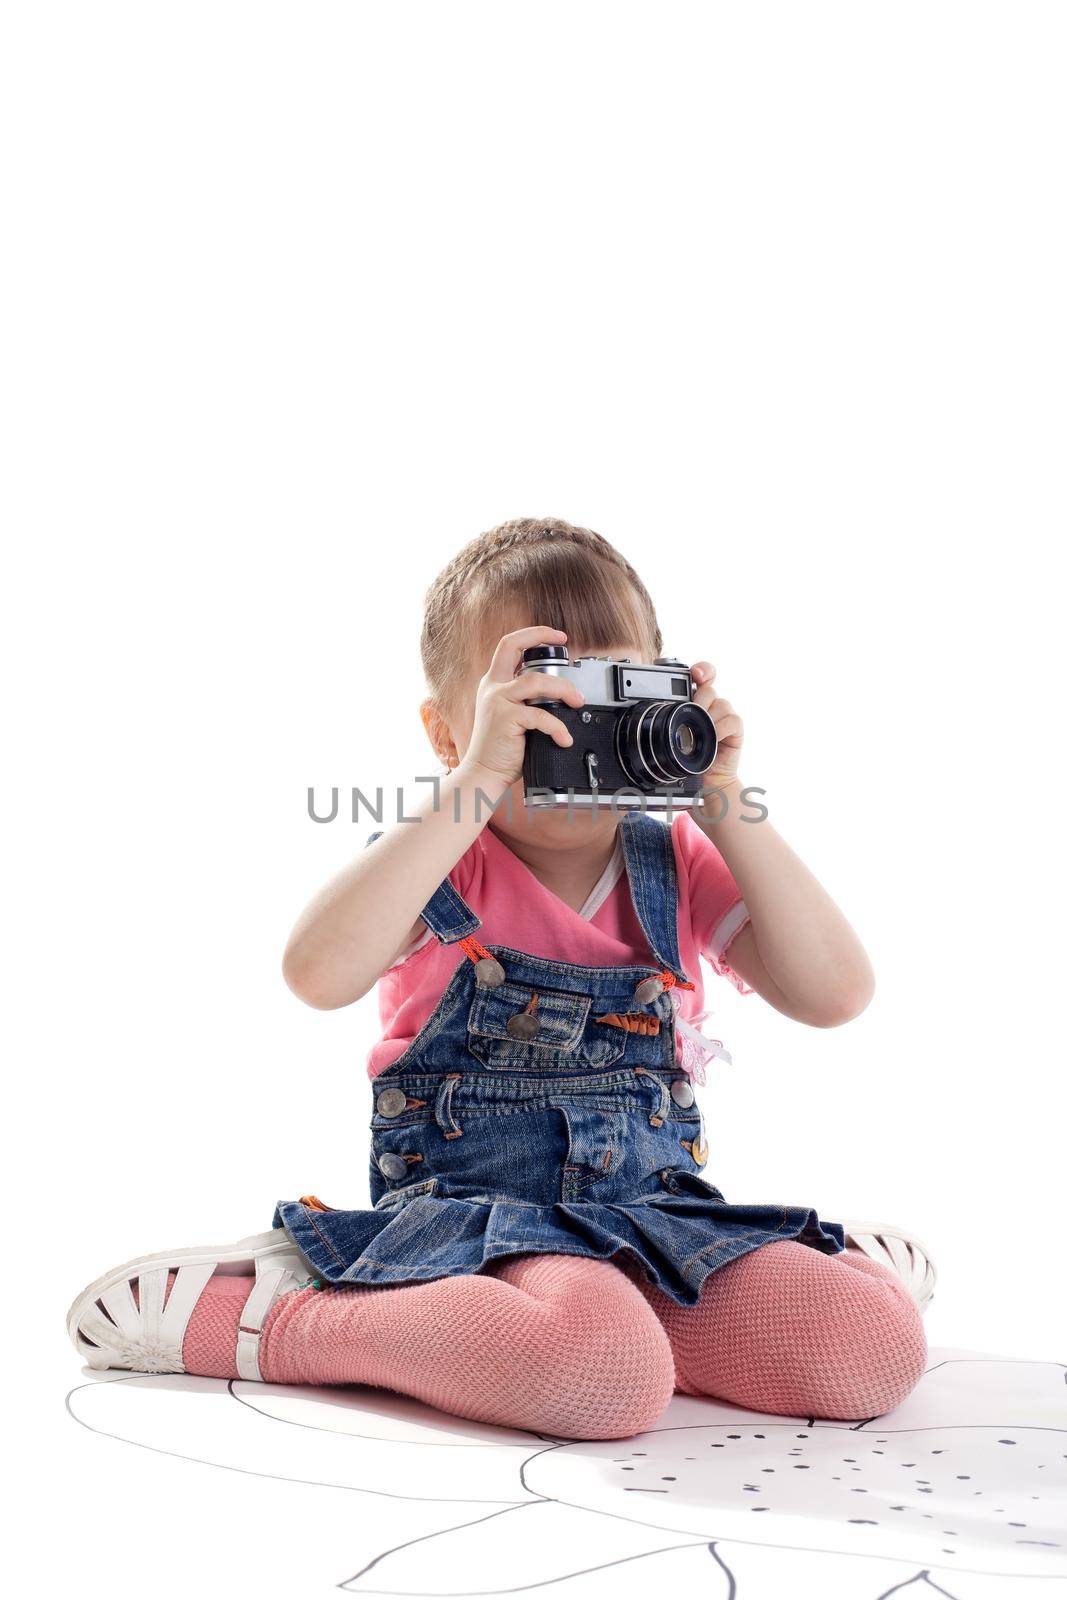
{"type": "Point", "coordinates": [188, 1285]}
{"type": "Point", "coordinates": [155, 1323]}
{"type": "Point", "coordinates": [273, 1277]}
{"type": "Point", "coordinates": [907, 1256]}
{"type": "Point", "coordinates": [149, 1324]}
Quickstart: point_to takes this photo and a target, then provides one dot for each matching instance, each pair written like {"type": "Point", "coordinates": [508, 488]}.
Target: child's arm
{"type": "Point", "coordinates": [355, 927]}
{"type": "Point", "coordinates": [798, 951]}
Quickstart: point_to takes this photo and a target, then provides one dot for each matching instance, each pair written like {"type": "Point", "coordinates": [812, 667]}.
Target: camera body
{"type": "Point", "coordinates": [639, 741]}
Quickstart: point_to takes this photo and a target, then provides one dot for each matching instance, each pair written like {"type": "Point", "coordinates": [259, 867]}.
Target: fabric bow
{"type": "Point", "coordinates": [696, 1048]}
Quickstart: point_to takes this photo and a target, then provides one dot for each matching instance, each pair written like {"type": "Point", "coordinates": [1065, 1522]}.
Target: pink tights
{"type": "Point", "coordinates": [586, 1349]}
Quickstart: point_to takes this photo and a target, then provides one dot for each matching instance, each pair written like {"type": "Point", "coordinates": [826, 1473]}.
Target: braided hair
{"type": "Point", "coordinates": [532, 571]}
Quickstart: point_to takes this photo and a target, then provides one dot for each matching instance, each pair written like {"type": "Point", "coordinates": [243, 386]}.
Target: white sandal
{"type": "Point", "coordinates": [110, 1329]}
{"type": "Point", "coordinates": [907, 1255]}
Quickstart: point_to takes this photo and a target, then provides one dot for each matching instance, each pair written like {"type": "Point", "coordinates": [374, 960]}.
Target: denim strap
{"type": "Point", "coordinates": [446, 913]}
{"type": "Point", "coordinates": [648, 849]}
{"type": "Point", "coordinates": [648, 846]}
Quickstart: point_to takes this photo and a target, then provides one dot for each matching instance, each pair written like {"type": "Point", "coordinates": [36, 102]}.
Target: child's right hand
{"type": "Point", "coordinates": [361, 921]}
{"type": "Point", "coordinates": [369, 912]}
{"type": "Point", "coordinates": [503, 715]}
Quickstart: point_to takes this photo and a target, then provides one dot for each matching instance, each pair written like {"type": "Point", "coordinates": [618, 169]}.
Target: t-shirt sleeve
{"type": "Point", "coordinates": [461, 878]}
{"type": "Point", "coordinates": [709, 894]}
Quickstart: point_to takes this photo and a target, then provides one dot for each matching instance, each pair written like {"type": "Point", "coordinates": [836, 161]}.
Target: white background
{"type": "Point", "coordinates": [301, 298]}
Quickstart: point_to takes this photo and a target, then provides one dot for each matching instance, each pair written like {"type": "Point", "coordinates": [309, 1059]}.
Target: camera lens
{"type": "Point", "coordinates": [665, 741]}
{"type": "Point", "coordinates": [687, 741]}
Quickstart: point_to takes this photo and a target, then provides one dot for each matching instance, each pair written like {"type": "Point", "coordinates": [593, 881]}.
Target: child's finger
{"type": "Point", "coordinates": [532, 685]}
{"type": "Point", "coordinates": [508, 653]}
{"type": "Point", "coordinates": [727, 726]}
{"type": "Point", "coordinates": [703, 674]}
{"type": "Point", "coordinates": [537, 717]}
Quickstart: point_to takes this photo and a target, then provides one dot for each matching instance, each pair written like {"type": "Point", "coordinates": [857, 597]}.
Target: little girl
{"type": "Point", "coordinates": [542, 1250]}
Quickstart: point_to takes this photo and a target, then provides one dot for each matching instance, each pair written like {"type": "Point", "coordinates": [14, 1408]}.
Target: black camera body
{"type": "Point", "coordinates": [639, 741]}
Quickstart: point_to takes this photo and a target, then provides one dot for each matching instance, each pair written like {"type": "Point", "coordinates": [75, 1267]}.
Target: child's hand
{"type": "Point", "coordinates": [729, 728]}
{"type": "Point", "coordinates": [502, 714]}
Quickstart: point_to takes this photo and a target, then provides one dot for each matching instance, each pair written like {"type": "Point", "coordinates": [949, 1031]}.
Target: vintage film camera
{"type": "Point", "coordinates": [639, 741]}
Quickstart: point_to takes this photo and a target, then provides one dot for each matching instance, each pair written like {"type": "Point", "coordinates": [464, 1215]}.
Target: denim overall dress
{"type": "Point", "coordinates": [541, 1108]}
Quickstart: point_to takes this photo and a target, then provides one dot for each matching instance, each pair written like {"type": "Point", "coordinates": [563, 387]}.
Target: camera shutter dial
{"type": "Point", "coordinates": [544, 652]}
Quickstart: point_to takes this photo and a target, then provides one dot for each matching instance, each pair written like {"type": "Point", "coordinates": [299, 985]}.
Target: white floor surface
{"type": "Point", "coordinates": [188, 1485]}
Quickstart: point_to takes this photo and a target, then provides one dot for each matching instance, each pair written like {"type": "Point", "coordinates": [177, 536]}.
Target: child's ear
{"type": "Point", "coordinates": [438, 732]}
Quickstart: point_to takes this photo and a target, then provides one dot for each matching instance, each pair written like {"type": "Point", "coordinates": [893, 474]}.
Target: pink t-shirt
{"type": "Point", "coordinates": [518, 911]}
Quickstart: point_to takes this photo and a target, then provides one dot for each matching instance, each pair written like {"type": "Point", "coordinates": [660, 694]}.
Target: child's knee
{"type": "Point", "coordinates": [610, 1370]}
{"type": "Point", "coordinates": [613, 1385]}
{"type": "Point", "coordinates": [789, 1330]}
{"type": "Point", "coordinates": [880, 1350]}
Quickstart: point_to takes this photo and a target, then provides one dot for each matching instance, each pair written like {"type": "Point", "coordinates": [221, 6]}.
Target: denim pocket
{"type": "Point", "coordinates": [560, 1017]}
{"type": "Point", "coordinates": [561, 1042]}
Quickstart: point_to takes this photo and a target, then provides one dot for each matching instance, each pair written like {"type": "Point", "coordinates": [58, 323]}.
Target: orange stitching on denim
{"type": "Point", "coordinates": [310, 1215]}
{"type": "Point", "coordinates": [710, 1249]}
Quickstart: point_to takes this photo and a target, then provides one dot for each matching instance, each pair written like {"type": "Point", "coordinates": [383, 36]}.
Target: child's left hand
{"type": "Point", "coordinates": [797, 950]}
{"type": "Point", "coordinates": [729, 728]}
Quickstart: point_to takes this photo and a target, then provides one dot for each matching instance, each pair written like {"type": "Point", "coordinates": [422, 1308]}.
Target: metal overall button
{"type": "Point", "coordinates": [698, 1149]}
{"type": "Point", "coordinates": [525, 1024]}
{"type": "Point", "coordinates": [488, 973]}
{"type": "Point", "coordinates": [391, 1102]}
{"type": "Point", "coordinates": [682, 1092]}
{"type": "Point", "coordinates": [647, 990]}
{"type": "Point", "coordinates": [392, 1165]}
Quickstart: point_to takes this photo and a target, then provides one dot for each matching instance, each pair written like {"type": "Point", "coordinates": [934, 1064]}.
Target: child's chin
{"type": "Point", "coordinates": [555, 825]}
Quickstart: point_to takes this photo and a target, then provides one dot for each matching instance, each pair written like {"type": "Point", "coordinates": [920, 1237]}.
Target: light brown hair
{"type": "Point", "coordinates": [538, 570]}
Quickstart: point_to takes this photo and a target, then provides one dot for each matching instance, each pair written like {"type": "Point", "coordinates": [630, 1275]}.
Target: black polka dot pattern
{"type": "Point", "coordinates": [929, 1483]}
